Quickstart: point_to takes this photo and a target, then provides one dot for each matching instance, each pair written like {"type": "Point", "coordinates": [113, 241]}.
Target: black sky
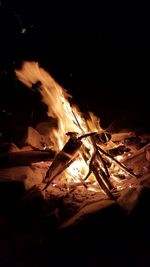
{"type": "Point", "coordinates": [98, 51]}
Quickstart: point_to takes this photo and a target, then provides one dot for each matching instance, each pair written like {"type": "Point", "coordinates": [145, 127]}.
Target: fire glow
{"type": "Point", "coordinates": [88, 161]}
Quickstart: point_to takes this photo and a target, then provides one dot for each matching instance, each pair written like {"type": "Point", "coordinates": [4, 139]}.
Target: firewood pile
{"type": "Point", "coordinates": [68, 203]}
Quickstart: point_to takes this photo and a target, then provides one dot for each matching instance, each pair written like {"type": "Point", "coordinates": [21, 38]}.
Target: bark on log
{"type": "Point", "coordinates": [63, 158]}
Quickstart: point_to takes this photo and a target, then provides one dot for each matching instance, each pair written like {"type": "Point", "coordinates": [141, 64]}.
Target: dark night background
{"type": "Point", "coordinates": [100, 53]}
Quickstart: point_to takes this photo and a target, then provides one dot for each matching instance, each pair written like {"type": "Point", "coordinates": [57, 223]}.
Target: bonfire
{"type": "Point", "coordinates": [72, 159]}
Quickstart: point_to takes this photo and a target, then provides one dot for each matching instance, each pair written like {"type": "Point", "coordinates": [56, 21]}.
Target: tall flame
{"type": "Point", "coordinates": [55, 98]}
{"type": "Point", "coordinates": [69, 119]}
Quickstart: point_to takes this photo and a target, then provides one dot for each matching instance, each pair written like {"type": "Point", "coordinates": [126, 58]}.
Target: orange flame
{"type": "Point", "coordinates": [69, 119]}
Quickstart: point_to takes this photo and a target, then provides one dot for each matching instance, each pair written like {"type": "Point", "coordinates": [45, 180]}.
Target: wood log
{"type": "Point", "coordinates": [24, 158]}
{"type": "Point", "coordinates": [63, 158]}
{"type": "Point", "coordinates": [66, 156]}
{"type": "Point", "coordinates": [101, 176]}
{"type": "Point", "coordinates": [101, 179]}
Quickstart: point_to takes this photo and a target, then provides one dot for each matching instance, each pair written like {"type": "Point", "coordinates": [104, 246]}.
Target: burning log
{"type": "Point", "coordinates": [65, 157]}
{"type": "Point", "coordinates": [101, 175]}
{"type": "Point", "coordinates": [24, 158]}
{"type": "Point", "coordinates": [104, 165]}
{"type": "Point", "coordinates": [101, 178]}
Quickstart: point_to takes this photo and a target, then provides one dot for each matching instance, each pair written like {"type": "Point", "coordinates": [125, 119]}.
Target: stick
{"type": "Point", "coordinates": [119, 163]}
{"type": "Point", "coordinates": [101, 176]}
{"type": "Point", "coordinates": [95, 170]}
{"type": "Point", "coordinates": [65, 157]}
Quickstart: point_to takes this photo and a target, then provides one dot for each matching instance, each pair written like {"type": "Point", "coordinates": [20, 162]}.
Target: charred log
{"type": "Point", "coordinates": [65, 157]}
{"type": "Point", "coordinates": [101, 178]}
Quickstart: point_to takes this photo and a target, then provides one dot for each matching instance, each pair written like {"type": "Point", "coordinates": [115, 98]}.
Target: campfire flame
{"type": "Point", "coordinates": [70, 120]}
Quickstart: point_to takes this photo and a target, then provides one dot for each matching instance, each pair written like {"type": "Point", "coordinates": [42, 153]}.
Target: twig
{"type": "Point", "coordinates": [119, 163]}
{"type": "Point", "coordinates": [104, 164]}
{"type": "Point", "coordinates": [77, 122]}
{"type": "Point", "coordinates": [101, 176]}
{"type": "Point", "coordinates": [95, 168]}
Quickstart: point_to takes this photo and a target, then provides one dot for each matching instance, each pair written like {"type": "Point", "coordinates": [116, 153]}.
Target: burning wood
{"type": "Point", "coordinates": [82, 171]}
{"type": "Point", "coordinates": [87, 163]}
{"type": "Point", "coordinates": [75, 157]}
{"type": "Point", "coordinates": [66, 156]}
{"type": "Point", "coordinates": [85, 172]}
{"type": "Point", "coordinates": [101, 177]}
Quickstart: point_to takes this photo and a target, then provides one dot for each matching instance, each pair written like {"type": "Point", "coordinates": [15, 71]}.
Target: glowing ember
{"type": "Point", "coordinates": [70, 120]}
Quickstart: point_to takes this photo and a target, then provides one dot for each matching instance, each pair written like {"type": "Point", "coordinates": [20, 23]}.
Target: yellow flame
{"type": "Point", "coordinates": [69, 119]}
{"type": "Point", "coordinates": [55, 98]}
